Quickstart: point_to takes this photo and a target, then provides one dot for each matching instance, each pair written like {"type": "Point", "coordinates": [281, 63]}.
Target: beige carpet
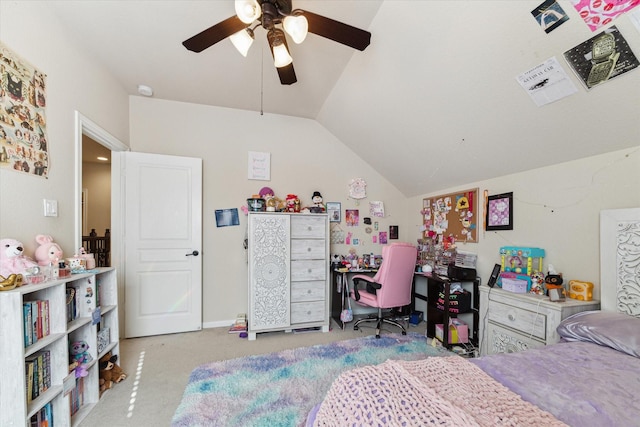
{"type": "Point", "coordinates": [159, 368]}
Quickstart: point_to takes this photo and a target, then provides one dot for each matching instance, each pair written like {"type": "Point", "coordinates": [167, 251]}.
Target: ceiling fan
{"type": "Point", "coordinates": [268, 14]}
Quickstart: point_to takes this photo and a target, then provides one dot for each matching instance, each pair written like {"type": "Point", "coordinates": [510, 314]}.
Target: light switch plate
{"type": "Point", "coordinates": [50, 207]}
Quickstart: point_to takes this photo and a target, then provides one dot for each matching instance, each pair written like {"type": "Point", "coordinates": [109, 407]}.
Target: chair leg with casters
{"type": "Point", "coordinates": [379, 321]}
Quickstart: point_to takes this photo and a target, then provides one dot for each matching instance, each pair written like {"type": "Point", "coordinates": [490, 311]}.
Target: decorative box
{"type": "Point", "coordinates": [458, 331]}
{"type": "Point", "coordinates": [103, 340]}
{"type": "Point", "coordinates": [515, 284]}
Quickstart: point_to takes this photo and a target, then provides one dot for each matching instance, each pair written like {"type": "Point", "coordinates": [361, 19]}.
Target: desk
{"type": "Point", "coordinates": [338, 296]}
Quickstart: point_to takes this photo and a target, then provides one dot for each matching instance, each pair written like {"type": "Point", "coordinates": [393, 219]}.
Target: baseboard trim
{"type": "Point", "coordinates": [218, 324]}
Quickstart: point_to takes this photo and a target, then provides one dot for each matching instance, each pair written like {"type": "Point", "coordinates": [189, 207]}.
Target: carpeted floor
{"type": "Point", "coordinates": [279, 389]}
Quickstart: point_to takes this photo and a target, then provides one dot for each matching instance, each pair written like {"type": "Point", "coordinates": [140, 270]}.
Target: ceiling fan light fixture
{"type": "Point", "coordinates": [242, 40]}
{"type": "Point", "coordinates": [281, 57]}
{"type": "Point", "coordinates": [248, 10]}
{"type": "Point", "coordinates": [297, 27]}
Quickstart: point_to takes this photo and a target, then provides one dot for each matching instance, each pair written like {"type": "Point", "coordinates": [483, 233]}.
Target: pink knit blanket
{"type": "Point", "coordinates": [443, 391]}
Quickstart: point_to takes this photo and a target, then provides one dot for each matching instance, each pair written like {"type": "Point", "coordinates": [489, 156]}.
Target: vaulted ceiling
{"type": "Point", "coordinates": [432, 103]}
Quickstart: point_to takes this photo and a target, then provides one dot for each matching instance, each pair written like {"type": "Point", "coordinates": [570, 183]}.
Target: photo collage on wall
{"type": "Point", "coordinates": [23, 128]}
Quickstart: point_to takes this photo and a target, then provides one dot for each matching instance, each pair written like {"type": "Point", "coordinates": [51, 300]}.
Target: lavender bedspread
{"type": "Point", "coordinates": [581, 384]}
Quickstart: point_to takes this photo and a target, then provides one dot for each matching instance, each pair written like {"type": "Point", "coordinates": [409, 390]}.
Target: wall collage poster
{"type": "Point", "coordinates": [23, 130]}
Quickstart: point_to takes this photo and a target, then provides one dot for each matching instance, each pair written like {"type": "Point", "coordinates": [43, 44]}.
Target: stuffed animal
{"type": "Point", "coordinates": [110, 372]}
{"type": "Point", "coordinates": [48, 252]}
{"type": "Point", "coordinates": [12, 258]}
{"type": "Point", "coordinates": [80, 352]}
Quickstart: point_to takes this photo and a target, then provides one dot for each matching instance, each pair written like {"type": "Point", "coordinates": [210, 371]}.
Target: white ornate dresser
{"type": "Point", "coordinates": [288, 272]}
{"type": "Point", "coordinates": [513, 322]}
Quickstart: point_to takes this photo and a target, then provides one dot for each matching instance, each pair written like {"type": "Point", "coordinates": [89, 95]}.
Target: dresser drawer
{"type": "Point", "coordinates": [308, 249]}
{"type": "Point", "coordinates": [528, 322]}
{"type": "Point", "coordinates": [304, 226]}
{"type": "Point", "coordinates": [503, 340]}
{"type": "Point", "coordinates": [303, 312]}
{"type": "Point", "coordinates": [308, 270]}
{"type": "Point", "coordinates": [307, 291]}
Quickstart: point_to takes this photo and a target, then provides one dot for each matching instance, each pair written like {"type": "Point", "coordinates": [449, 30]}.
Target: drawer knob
{"type": "Point", "coordinates": [309, 228]}
{"type": "Point", "coordinates": [309, 271]}
{"type": "Point", "coordinates": [308, 249]}
{"type": "Point", "coordinates": [308, 291]}
{"type": "Point", "coordinates": [512, 317]}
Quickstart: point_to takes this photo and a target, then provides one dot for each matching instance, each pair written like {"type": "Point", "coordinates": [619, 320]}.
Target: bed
{"type": "Point", "coordinates": [590, 378]}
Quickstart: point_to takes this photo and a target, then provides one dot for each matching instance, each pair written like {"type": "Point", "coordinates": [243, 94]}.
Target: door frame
{"type": "Point", "coordinates": [86, 126]}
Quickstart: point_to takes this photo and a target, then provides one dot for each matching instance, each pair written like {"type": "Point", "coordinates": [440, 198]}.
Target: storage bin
{"type": "Point", "coordinates": [458, 331]}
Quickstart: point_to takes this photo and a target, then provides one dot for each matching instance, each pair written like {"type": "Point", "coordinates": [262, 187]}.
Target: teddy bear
{"type": "Point", "coordinates": [12, 258]}
{"type": "Point", "coordinates": [48, 252]}
{"type": "Point", "coordinates": [110, 372]}
{"type": "Point", "coordinates": [80, 352]}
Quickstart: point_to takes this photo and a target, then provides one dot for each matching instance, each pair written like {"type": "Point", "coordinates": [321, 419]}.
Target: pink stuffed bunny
{"type": "Point", "coordinates": [48, 252]}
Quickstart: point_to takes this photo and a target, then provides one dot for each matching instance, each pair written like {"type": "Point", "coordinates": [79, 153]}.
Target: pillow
{"type": "Point", "coordinates": [616, 330]}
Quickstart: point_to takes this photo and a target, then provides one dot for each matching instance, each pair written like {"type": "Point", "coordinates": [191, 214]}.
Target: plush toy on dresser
{"type": "Point", "coordinates": [48, 252]}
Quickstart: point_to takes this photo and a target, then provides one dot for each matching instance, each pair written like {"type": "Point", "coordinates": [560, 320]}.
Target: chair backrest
{"type": "Point", "coordinates": [396, 274]}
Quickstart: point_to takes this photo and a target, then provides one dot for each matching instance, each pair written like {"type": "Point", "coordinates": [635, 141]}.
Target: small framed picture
{"type": "Point", "coordinates": [500, 212]}
{"type": "Point", "coordinates": [333, 209]}
{"type": "Point", "coordinates": [393, 232]}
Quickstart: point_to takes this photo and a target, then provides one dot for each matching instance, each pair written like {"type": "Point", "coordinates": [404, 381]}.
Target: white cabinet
{"type": "Point", "coordinates": [514, 322]}
{"type": "Point", "coordinates": [288, 272]}
{"type": "Point", "coordinates": [97, 309]}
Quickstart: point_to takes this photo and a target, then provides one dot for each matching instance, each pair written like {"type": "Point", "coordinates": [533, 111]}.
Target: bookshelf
{"type": "Point", "coordinates": [97, 310]}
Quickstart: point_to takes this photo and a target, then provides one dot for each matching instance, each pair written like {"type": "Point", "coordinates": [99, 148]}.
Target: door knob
{"type": "Point", "coordinates": [194, 253]}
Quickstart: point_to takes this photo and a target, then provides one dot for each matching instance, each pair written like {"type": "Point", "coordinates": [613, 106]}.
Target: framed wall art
{"type": "Point", "coordinates": [500, 212]}
{"type": "Point", "coordinates": [333, 209]}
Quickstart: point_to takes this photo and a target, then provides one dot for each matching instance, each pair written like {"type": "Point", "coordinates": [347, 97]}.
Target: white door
{"type": "Point", "coordinates": [163, 238]}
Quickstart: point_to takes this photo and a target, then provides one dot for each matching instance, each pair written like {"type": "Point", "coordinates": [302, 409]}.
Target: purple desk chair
{"type": "Point", "coordinates": [390, 287]}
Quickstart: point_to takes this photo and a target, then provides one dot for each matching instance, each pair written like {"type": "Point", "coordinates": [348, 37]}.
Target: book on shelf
{"type": "Point", "coordinates": [28, 324]}
{"type": "Point", "coordinates": [43, 418]}
{"type": "Point", "coordinates": [38, 374]}
{"type": "Point", "coordinates": [76, 397]}
{"type": "Point", "coordinates": [36, 321]}
{"type": "Point", "coordinates": [239, 325]}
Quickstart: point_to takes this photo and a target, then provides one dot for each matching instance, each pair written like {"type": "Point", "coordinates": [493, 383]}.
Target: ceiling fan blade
{"type": "Point", "coordinates": [213, 35]}
{"type": "Point", "coordinates": [287, 74]}
{"type": "Point", "coordinates": [337, 31]}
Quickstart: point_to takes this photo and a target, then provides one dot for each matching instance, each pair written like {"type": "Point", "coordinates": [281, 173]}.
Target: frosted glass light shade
{"type": "Point", "coordinates": [281, 57]}
{"type": "Point", "coordinates": [297, 27]}
{"type": "Point", "coordinates": [242, 40]}
{"type": "Point", "coordinates": [248, 10]}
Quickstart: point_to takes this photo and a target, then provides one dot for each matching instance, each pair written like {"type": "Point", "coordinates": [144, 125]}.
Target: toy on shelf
{"type": "Point", "coordinates": [80, 352]}
{"type": "Point", "coordinates": [318, 206]}
{"type": "Point", "coordinates": [12, 258]}
{"type": "Point", "coordinates": [48, 252]}
{"type": "Point", "coordinates": [580, 290]}
{"type": "Point", "coordinates": [270, 198]}
{"type": "Point", "coordinates": [293, 203]}
{"type": "Point", "coordinates": [554, 281]}
{"type": "Point", "coordinates": [110, 372]}
{"type": "Point", "coordinates": [518, 266]}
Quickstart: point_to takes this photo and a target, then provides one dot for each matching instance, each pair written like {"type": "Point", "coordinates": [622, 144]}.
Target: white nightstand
{"type": "Point", "coordinates": [511, 322]}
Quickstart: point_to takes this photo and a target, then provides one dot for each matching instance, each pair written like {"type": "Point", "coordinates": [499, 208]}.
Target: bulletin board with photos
{"type": "Point", "coordinates": [453, 214]}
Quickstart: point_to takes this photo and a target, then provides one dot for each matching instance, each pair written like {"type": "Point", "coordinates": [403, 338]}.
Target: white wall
{"type": "Point", "coordinates": [304, 158]}
{"type": "Point", "coordinates": [74, 82]}
{"type": "Point", "coordinates": [556, 208]}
